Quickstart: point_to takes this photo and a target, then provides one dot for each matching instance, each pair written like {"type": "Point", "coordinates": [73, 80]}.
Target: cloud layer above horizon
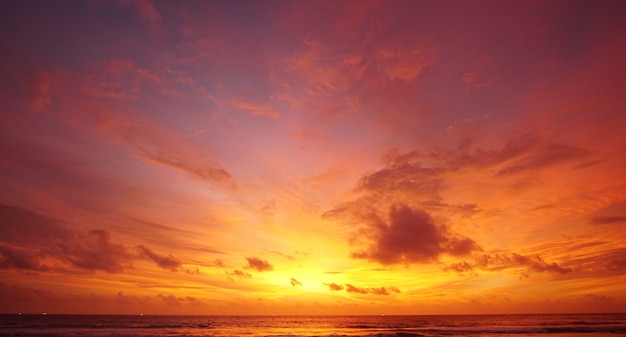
{"type": "Point", "coordinates": [324, 157]}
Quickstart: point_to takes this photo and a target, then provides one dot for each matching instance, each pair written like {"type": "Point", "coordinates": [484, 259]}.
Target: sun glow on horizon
{"type": "Point", "coordinates": [351, 157]}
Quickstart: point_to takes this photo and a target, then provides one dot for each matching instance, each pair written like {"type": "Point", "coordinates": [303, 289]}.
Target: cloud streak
{"type": "Point", "coordinates": [11, 258]}
{"type": "Point", "coordinates": [381, 291]}
{"type": "Point", "coordinates": [499, 262]}
{"type": "Point", "coordinates": [207, 173]}
{"type": "Point", "coordinates": [166, 262]}
{"type": "Point", "coordinates": [237, 273]}
{"type": "Point", "coordinates": [334, 286]}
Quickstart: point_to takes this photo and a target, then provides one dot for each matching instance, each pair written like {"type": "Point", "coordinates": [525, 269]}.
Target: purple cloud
{"type": "Point", "coordinates": [411, 236]}
{"type": "Point", "coordinates": [93, 251]}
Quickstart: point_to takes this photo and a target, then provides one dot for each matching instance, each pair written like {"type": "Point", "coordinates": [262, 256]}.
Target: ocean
{"type": "Point", "coordinates": [588, 325]}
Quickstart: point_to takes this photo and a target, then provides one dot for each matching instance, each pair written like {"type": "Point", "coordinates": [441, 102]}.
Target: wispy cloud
{"type": "Point", "coordinates": [402, 64]}
{"type": "Point", "coordinates": [237, 273]}
{"type": "Point", "coordinates": [166, 262]}
{"type": "Point", "coordinates": [601, 220]}
{"type": "Point", "coordinates": [497, 262]}
{"type": "Point", "coordinates": [263, 110]}
{"type": "Point", "coordinates": [384, 291]}
{"type": "Point", "coordinates": [205, 172]}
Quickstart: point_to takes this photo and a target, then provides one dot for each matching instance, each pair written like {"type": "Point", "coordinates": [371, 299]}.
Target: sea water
{"type": "Point", "coordinates": [588, 325]}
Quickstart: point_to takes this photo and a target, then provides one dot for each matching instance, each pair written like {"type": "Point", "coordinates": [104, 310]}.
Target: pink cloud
{"type": "Point", "coordinates": [264, 110]}
{"type": "Point", "coordinates": [402, 64]}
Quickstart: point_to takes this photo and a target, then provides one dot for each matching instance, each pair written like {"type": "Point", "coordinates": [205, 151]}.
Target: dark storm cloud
{"type": "Point", "coordinates": [411, 236]}
{"type": "Point", "coordinates": [165, 262]}
{"type": "Point", "coordinates": [258, 264]}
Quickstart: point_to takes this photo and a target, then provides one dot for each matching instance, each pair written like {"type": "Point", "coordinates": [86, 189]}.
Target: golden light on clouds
{"type": "Point", "coordinates": [351, 157]}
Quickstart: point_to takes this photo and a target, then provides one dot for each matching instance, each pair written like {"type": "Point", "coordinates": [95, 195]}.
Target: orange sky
{"type": "Point", "coordinates": [312, 157]}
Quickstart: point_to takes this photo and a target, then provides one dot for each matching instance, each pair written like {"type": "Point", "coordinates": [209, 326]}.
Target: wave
{"type": "Point", "coordinates": [161, 332]}
{"type": "Point", "coordinates": [354, 326]}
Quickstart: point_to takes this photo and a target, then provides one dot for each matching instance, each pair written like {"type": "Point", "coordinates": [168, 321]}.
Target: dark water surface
{"type": "Point", "coordinates": [588, 325]}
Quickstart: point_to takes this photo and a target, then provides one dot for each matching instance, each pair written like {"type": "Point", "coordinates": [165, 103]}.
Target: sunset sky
{"type": "Point", "coordinates": [312, 157]}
